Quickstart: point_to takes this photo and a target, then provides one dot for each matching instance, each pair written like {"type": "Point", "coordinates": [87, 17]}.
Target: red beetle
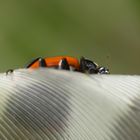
{"type": "Point", "coordinates": [66, 63]}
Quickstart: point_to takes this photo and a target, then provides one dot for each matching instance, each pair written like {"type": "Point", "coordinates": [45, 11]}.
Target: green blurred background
{"type": "Point", "coordinates": [106, 31]}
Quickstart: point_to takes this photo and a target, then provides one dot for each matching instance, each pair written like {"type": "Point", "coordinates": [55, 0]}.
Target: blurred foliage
{"type": "Point", "coordinates": [107, 32]}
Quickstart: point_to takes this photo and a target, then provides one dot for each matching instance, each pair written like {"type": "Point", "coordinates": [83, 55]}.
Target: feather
{"type": "Point", "coordinates": [46, 104]}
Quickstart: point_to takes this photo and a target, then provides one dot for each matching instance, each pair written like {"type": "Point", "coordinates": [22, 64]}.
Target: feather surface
{"type": "Point", "coordinates": [48, 104]}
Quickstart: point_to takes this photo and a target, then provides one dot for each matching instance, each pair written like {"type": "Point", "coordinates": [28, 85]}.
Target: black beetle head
{"type": "Point", "coordinates": [103, 70]}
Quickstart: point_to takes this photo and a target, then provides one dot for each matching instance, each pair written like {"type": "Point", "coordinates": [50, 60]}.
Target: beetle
{"type": "Point", "coordinates": [83, 65]}
{"type": "Point", "coordinates": [68, 63]}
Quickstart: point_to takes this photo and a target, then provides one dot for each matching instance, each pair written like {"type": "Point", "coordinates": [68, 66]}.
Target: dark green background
{"type": "Point", "coordinates": [106, 31]}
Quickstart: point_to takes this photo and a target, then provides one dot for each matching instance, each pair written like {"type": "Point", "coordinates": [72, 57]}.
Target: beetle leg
{"type": "Point", "coordinates": [63, 64]}
{"type": "Point", "coordinates": [9, 71]}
